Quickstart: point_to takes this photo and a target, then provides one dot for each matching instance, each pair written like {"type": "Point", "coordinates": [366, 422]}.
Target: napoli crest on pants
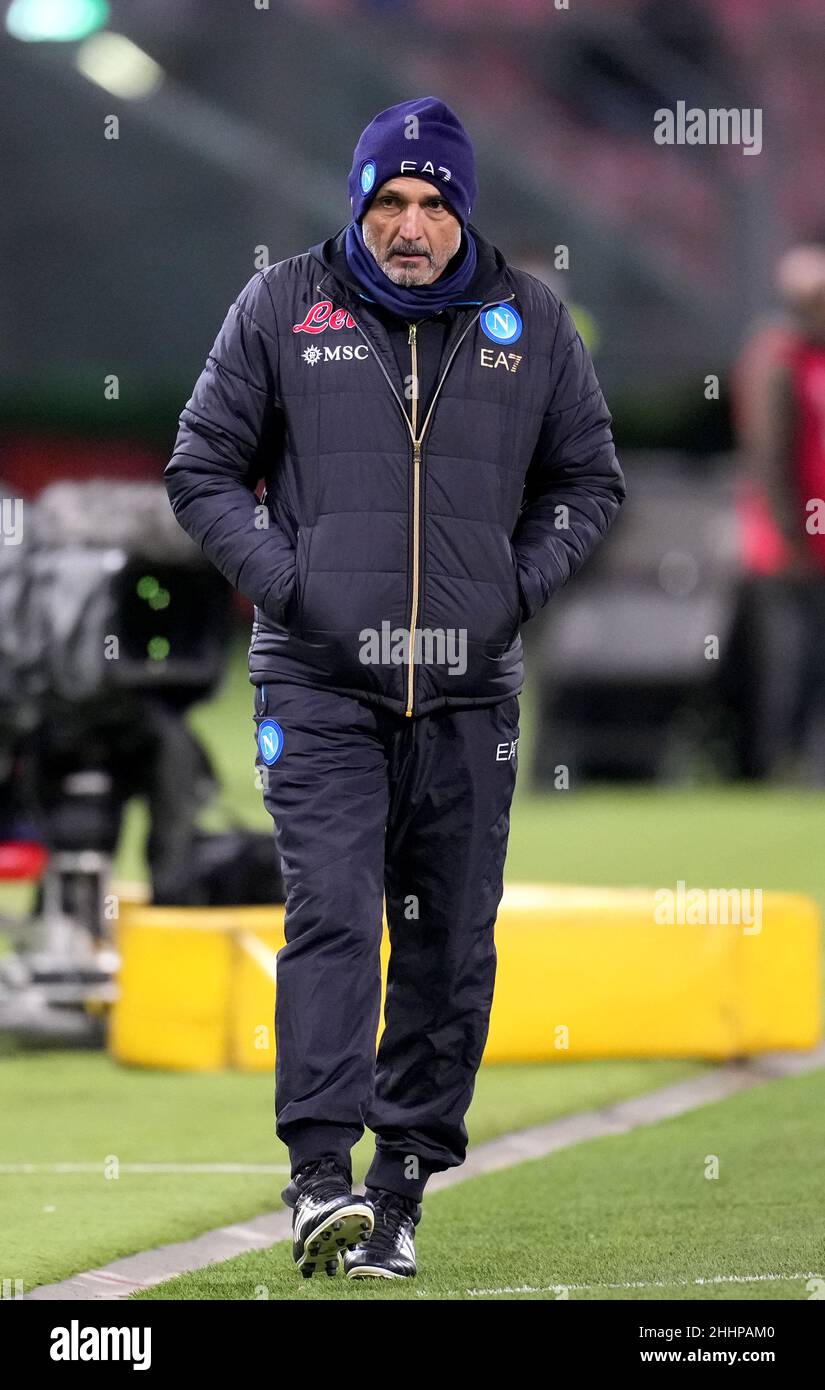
{"type": "Point", "coordinates": [270, 741]}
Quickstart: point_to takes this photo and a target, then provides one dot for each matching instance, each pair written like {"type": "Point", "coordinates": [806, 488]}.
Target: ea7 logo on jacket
{"type": "Point", "coordinates": [343, 352]}
{"type": "Point", "coordinates": [322, 316]}
{"type": "Point", "coordinates": [508, 360]}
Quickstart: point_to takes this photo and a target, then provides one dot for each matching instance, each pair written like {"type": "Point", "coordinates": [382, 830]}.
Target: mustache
{"type": "Point", "coordinates": [408, 248]}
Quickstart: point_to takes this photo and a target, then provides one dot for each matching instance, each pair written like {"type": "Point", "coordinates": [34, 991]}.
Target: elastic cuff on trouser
{"type": "Point", "coordinates": [390, 1169]}
{"type": "Point", "coordinates": [313, 1139]}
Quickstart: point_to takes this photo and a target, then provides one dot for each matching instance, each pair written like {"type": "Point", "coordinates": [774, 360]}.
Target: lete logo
{"type": "Point", "coordinates": [322, 316]}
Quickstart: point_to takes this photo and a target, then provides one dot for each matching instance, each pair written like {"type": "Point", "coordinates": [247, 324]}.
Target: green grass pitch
{"type": "Point", "coordinates": [633, 1211]}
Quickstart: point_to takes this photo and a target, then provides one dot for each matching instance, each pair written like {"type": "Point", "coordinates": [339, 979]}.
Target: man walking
{"type": "Point", "coordinates": [438, 462]}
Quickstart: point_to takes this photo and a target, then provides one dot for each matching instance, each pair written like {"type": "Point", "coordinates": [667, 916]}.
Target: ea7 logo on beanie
{"type": "Point", "coordinates": [409, 166]}
{"type": "Point", "coordinates": [408, 129]}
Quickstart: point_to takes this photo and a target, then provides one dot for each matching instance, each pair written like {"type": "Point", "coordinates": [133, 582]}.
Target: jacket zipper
{"type": "Point", "coordinates": [417, 446]}
{"type": "Point", "coordinates": [412, 339]}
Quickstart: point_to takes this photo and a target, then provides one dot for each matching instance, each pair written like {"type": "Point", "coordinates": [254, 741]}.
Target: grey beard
{"type": "Point", "coordinates": [408, 278]}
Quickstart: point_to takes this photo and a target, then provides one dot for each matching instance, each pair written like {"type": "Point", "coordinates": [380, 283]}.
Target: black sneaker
{"type": "Point", "coordinates": [389, 1253]}
{"type": "Point", "coordinates": [327, 1217]}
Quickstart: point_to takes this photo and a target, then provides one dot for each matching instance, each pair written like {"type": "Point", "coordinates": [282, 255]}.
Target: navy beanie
{"type": "Point", "coordinates": [423, 139]}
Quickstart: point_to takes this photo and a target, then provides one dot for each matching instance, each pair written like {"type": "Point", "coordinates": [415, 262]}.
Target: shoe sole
{"type": "Point", "coordinates": [332, 1236]}
{"type": "Point", "coordinates": [375, 1272]}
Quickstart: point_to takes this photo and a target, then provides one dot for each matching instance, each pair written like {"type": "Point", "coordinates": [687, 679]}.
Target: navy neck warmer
{"type": "Point", "coordinates": [416, 301]}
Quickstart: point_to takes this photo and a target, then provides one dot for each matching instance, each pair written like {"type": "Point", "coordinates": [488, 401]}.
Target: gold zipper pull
{"type": "Point", "coordinates": [412, 333]}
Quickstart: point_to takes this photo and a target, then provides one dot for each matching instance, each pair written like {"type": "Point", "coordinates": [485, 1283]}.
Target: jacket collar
{"type": "Point", "coordinates": [492, 280]}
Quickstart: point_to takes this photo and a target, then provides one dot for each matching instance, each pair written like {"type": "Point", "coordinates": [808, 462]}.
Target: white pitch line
{"type": "Point", "coordinates": [146, 1168]}
{"type": "Point", "coordinates": [652, 1284]}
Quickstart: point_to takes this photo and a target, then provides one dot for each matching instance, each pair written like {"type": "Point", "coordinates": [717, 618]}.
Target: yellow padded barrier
{"type": "Point", "coordinates": [582, 972]}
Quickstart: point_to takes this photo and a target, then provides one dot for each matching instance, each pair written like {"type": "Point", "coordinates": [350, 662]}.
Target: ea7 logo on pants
{"type": "Point", "coordinates": [344, 352]}
{"type": "Point", "coordinates": [506, 752]}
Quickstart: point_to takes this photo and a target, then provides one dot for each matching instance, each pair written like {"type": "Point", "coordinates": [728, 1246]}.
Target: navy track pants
{"type": "Point", "coordinates": [368, 803]}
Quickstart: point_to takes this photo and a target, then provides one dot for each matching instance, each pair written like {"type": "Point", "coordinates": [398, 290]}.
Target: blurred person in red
{"type": "Point", "coordinates": [779, 407]}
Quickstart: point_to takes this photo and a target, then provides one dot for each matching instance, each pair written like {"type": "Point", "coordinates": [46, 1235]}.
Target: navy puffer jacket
{"type": "Point", "coordinates": [456, 524]}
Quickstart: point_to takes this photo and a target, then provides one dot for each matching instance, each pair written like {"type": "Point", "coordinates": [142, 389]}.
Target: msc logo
{"type": "Point", "coordinates": [501, 324]}
{"type": "Point", "coordinates": [344, 352]}
{"type": "Point", "coordinates": [270, 741]}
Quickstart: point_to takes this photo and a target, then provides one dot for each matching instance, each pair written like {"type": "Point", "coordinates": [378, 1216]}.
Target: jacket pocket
{"type": "Point", "coordinates": [301, 571]}
{"type": "Point", "coordinates": [516, 592]}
